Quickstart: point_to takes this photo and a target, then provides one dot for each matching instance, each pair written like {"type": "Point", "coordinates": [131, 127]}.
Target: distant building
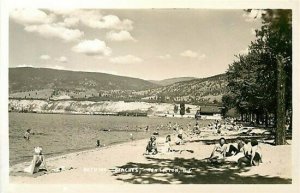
{"type": "Point", "coordinates": [209, 112]}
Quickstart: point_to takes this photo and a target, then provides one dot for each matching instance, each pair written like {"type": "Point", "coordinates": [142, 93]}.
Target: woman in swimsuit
{"type": "Point", "coordinates": [252, 154]}
{"type": "Point", "coordinates": [219, 152]}
{"type": "Point", "coordinates": [37, 161]}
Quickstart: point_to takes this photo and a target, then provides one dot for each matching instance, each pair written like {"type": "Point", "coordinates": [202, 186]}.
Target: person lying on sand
{"type": "Point", "coordinates": [252, 154]}
{"type": "Point", "coordinates": [219, 152]}
{"type": "Point", "coordinates": [151, 148]}
{"type": "Point", "coordinates": [37, 162]}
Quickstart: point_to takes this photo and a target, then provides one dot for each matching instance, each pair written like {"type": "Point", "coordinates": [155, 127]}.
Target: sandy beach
{"type": "Point", "coordinates": [125, 163]}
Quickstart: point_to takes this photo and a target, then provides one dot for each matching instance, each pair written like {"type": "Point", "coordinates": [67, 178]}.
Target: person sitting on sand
{"type": "Point", "coordinates": [196, 129]}
{"type": "Point", "coordinates": [37, 162]}
{"type": "Point", "coordinates": [219, 152]}
{"type": "Point", "coordinates": [252, 154]}
{"type": "Point", "coordinates": [151, 146]}
{"type": "Point", "coordinates": [180, 134]}
{"type": "Point", "coordinates": [27, 134]}
{"type": "Point", "coordinates": [167, 147]}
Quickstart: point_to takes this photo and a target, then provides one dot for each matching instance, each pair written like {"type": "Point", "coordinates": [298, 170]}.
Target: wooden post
{"type": "Point", "coordinates": [280, 111]}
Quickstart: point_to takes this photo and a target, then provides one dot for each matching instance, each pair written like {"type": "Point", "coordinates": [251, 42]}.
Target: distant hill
{"type": "Point", "coordinates": [50, 84]}
{"type": "Point", "coordinates": [204, 90]}
{"type": "Point", "coordinates": [25, 79]}
{"type": "Point", "coordinates": [170, 81]}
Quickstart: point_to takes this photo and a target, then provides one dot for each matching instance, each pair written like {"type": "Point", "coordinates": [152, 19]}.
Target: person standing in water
{"type": "Point", "coordinates": [27, 134]}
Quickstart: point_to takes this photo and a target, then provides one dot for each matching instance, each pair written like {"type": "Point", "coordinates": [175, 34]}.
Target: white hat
{"type": "Point", "coordinates": [38, 150]}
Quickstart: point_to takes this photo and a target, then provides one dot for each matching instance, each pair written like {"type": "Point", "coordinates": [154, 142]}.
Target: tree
{"type": "Point", "coordinates": [228, 101]}
{"type": "Point", "coordinates": [182, 109]}
{"type": "Point", "coordinates": [188, 110]}
{"type": "Point", "coordinates": [281, 111]}
{"type": "Point", "coordinates": [253, 77]}
{"type": "Point", "coordinates": [175, 109]}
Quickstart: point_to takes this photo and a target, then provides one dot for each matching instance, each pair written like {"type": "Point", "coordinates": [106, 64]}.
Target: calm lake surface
{"type": "Point", "coordinates": [60, 134]}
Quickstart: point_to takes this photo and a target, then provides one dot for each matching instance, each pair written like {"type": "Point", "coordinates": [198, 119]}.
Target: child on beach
{"type": "Point", "coordinates": [151, 148]}
{"type": "Point", "coordinates": [196, 129]}
{"type": "Point", "coordinates": [170, 126]}
{"type": "Point", "coordinates": [180, 136]}
{"type": "Point", "coordinates": [147, 128]}
{"type": "Point", "coordinates": [167, 147]}
{"type": "Point", "coordinates": [37, 161]}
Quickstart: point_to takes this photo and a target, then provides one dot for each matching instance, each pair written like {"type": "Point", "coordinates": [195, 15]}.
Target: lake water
{"type": "Point", "coordinates": [59, 134]}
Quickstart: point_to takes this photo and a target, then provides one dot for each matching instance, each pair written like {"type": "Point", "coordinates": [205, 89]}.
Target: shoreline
{"type": "Point", "coordinates": [202, 139]}
{"type": "Point", "coordinates": [87, 165]}
{"type": "Point", "coordinates": [112, 108]}
{"type": "Point", "coordinates": [92, 149]}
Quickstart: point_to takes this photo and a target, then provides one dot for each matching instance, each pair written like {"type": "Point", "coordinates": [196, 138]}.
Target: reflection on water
{"type": "Point", "coordinates": [59, 134]}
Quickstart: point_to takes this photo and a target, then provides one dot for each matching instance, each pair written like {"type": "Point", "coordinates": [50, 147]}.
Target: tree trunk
{"type": "Point", "coordinates": [257, 118]}
{"type": "Point", "coordinates": [280, 122]}
{"type": "Point", "coordinates": [266, 119]}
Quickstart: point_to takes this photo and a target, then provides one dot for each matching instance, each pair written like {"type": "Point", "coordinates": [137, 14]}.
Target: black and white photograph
{"type": "Point", "coordinates": [150, 96]}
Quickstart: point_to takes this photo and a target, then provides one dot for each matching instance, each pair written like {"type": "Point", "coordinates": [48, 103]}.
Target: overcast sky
{"type": "Point", "coordinates": [149, 44]}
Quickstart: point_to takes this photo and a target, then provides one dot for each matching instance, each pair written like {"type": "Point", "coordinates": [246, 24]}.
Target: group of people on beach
{"type": "Point", "coordinates": [242, 151]}
{"type": "Point", "coordinates": [179, 136]}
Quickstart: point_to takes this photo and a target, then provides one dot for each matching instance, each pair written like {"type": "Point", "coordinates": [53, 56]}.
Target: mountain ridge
{"type": "Point", "coordinates": [169, 81]}
{"type": "Point", "coordinates": [50, 84]}
{"type": "Point", "coordinates": [59, 79]}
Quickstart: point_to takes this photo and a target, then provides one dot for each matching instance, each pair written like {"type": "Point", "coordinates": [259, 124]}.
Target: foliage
{"type": "Point", "coordinates": [252, 78]}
